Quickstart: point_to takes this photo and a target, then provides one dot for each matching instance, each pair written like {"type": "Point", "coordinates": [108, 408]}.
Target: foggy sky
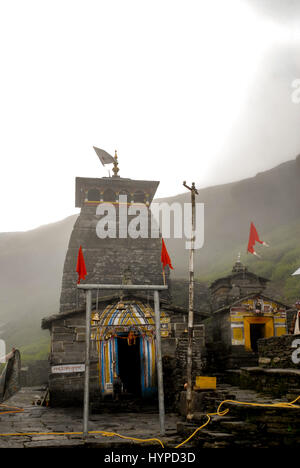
{"type": "Point", "coordinates": [196, 91]}
{"type": "Point", "coordinates": [267, 130]}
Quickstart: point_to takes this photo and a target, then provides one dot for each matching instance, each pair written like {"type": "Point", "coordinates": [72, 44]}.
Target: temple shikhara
{"type": "Point", "coordinates": [122, 325]}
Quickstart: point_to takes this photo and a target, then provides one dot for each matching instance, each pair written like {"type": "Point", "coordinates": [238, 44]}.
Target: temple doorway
{"type": "Point", "coordinates": [257, 331]}
{"type": "Point", "coordinates": [129, 365]}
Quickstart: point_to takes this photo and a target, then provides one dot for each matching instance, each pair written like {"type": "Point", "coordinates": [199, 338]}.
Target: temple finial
{"type": "Point", "coordinates": [238, 266]}
{"type": "Point", "coordinates": [116, 166]}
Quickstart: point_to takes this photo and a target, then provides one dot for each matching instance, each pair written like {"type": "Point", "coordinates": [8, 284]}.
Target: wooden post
{"type": "Point", "coordinates": [189, 364]}
{"type": "Point", "coordinates": [161, 404]}
{"type": "Point", "coordinates": [86, 401]}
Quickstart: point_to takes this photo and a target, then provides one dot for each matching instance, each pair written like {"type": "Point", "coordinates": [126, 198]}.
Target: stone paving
{"type": "Point", "coordinates": [35, 419]}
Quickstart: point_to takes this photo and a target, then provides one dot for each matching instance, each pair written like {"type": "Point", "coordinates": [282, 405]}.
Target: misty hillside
{"type": "Point", "coordinates": [30, 281]}
{"type": "Point", "coordinates": [32, 262]}
{"type": "Point", "coordinates": [271, 200]}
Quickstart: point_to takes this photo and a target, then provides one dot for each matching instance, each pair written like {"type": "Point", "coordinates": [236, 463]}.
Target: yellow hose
{"type": "Point", "coordinates": [222, 413]}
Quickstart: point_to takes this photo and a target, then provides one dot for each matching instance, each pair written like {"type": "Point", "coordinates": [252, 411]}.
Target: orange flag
{"type": "Point", "coordinates": [80, 268]}
{"type": "Point", "coordinates": [253, 238]}
{"type": "Point", "coordinates": [165, 259]}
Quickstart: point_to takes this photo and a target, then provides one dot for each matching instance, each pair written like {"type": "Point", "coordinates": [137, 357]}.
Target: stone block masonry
{"type": "Point", "coordinates": [276, 352]}
{"type": "Point", "coordinates": [34, 373]}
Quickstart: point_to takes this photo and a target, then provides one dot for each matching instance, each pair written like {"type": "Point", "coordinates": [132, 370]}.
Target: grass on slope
{"type": "Point", "coordinates": [38, 350]}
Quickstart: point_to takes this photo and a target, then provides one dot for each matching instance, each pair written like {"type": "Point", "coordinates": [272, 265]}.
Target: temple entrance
{"type": "Point", "coordinates": [129, 365]}
{"type": "Point", "coordinates": [257, 331]}
{"type": "Point", "coordinates": [125, 344]}
{"type": "Point", "coordinates": [256, 328]}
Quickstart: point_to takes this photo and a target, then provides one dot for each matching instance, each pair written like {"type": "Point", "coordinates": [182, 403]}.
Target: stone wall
{"type": "Point", "coordinates": [277, 352]}
{"type": "Point", "coordinates": [34, 373]}
{"type": "Point", "coordinates": [67, 389]}
{"type": "Point", "coordinates": [67, 347]}
{"type": "Point", "coordinates": [217, 341]}
{"type": "Point", "coordinates": [174, 351]}
{"type": "Point", "coordinates": [198, 355]}
{"type": "Point", "coordinates": [276, 382]}
{"type": "Point", "coordinates": [107, 260]}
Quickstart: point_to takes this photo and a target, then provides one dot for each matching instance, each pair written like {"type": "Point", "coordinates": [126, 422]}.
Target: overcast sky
{"type": "Point", "coordinates": [184, 90]}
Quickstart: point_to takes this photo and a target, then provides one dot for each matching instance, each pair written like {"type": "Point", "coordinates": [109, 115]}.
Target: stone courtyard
{"type": "Point", "coordinates": [41, 419]}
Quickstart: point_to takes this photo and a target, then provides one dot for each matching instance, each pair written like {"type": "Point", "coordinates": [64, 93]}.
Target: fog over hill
{"type": "Point", "coordinates": [270, 199]}
{"type": "Point", "coordinates": [32, 261]}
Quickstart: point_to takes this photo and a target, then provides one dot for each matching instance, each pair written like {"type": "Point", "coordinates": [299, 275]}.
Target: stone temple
{"type": "Point", "coordinates": [241, 315]}
{"type": "Point", "coordinates": [122, 327]}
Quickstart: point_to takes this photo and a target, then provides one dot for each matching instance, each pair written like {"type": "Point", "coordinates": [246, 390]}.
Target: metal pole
{"type": "Point", "coordinates": [129, 287]}
{"type": "Point", "coordinates": [87, 362]}
{"type": "Point", "coordinates": [161, 404]}
{"type": "Point", "coordinates": [189, 366]}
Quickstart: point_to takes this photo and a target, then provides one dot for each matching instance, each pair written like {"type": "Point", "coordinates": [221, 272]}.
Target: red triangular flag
{"type": "Point", "coordinates": [80, 268]}
{"type": "Point", "coordinates": [165, 259]}
{"type": "Point", "coordinates": [254, 237]}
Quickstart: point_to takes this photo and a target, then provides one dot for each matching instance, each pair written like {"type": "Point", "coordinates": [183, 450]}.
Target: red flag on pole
{"type": "Point", "coordinates": [165, 258]}
{"type": "Point", "coordinates": [80, 268]}
{"type": "Point", "coordinates": [254, 237]}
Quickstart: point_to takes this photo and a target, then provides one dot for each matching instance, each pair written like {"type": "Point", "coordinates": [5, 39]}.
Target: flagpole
{"type": "Point", "coordinates": [164, 275]}
{"type": "Point", "coordinates": [165, 259]}
{"type": "Point", "coordinates": [189, 365]}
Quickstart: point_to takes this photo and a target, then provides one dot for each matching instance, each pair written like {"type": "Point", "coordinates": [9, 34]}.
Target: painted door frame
{"type": "Point", "coordinates": [269, 328]}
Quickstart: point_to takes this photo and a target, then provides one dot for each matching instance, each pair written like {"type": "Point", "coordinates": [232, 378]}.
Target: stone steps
{"type": "Point", "coordinates": [243, 425]}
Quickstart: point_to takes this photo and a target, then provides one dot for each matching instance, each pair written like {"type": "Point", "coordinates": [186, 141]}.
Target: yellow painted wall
{"type": "Point", "coordinates": [243, 315]}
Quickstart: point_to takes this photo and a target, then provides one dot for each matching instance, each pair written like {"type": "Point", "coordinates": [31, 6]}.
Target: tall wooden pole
{"type": "Point", "coordinates": [189, 365]}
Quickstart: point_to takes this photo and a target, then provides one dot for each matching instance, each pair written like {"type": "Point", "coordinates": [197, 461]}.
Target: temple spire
{"type": "Point", "coordinates": [238, 266]}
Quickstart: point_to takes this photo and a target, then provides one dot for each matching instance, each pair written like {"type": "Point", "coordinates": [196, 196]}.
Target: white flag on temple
{"type": "Point", "coordinates": [297, 272]}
